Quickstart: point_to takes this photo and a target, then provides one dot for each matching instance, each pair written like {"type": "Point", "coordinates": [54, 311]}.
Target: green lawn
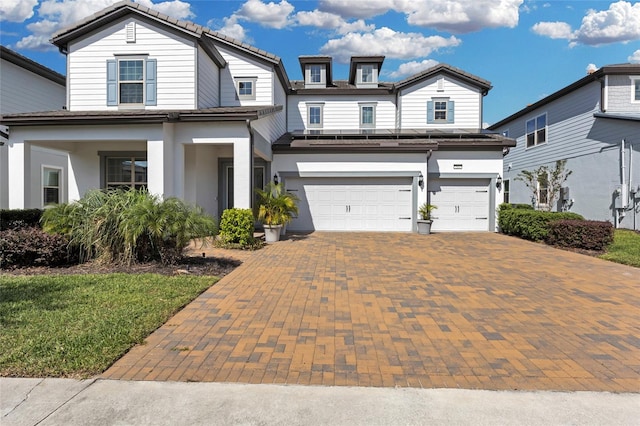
{"type": "Point", "coordinates": [78, 325]}
{"type": "Point", "coordinates": [625, 248]}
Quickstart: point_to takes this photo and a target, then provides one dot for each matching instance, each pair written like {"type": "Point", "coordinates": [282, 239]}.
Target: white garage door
{"type": "Point", "coordinates": [352, 204]}
{"type": "Point", "coordinates": [463, 204]}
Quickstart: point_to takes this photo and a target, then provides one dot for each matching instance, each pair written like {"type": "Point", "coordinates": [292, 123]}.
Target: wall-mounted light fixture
{"type": "Point", "coordinates": [275, 178]}
{"type": "Point", "coordinates": [421, 180]}
{"type": "Point", "coordinates": [498, 181]}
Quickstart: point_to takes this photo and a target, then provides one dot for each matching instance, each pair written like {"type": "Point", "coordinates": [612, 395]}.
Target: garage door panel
{"type": "Point", "coordinates": [463, 204]}
{"type": "Point", "coordinates": [353, 204]}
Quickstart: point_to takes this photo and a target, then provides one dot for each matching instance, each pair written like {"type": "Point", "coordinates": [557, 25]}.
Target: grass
{"type": "Point", "coordinates": [78, 325]}
{"type": "Point", "coordinates": [625, 248]}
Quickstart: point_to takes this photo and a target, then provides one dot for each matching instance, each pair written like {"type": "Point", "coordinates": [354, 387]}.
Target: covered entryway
{"type": "Point", "coordinates": [463, 204]}
{"type": "Point", "coordinates": [353, 203]}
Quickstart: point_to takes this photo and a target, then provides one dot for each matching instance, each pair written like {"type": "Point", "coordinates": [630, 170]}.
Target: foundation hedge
{"type": "Point", "coordinates": [580, 234]}
{"type": "Point", "coordinates": [530, 224]}
{"type": "Point", "coordinates": [33, 247]}
{"type": "Point", "coordinates": [19, 218]}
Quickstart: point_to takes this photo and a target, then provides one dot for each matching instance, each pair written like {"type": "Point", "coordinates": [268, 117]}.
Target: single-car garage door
{"type": "Point", "coordinates": [463, 204]}
{"type": "Point", "coordinates": [352, 204]}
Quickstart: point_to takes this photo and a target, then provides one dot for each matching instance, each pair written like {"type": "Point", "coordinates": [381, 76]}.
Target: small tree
{"type": "Point", "coordinates": [543, 176]}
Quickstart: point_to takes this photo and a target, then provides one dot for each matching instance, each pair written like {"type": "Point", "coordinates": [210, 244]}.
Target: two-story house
{"type": "Point", "coordinates": [188, 112]}
{"type": "Point", "coordinates": [594, 124]}
{"type": "Point", "coordinates": [27, 86]}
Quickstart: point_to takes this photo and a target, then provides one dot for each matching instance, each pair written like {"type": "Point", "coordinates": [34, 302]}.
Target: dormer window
{"type": "Point", "coordinates": [366, 73]}
{"type": "Point", "coordinates": [315, 74]}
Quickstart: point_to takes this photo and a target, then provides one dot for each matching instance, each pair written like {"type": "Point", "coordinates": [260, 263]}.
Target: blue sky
{"type": "Point", "coordinates": [527, 48]}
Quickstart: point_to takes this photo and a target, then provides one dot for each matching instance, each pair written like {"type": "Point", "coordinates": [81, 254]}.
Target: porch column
{"type": "Point", "coordinates": [161, 163]}
{"type": "Point", "coordinates": [242, 172]}
{"type": "Point", "coordinates": [19, 169]}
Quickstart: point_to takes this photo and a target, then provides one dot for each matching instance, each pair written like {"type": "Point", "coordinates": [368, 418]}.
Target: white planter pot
{"type": "Point", "coordinates": [272, 233]}
{"type": "Point", "coordinates": [424, 226]}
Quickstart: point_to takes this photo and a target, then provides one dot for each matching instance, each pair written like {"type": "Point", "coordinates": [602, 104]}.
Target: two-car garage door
{"type": "Point", "coordinates": [463, 204]}
{"type": "Point", "coordinates": [353, 204]}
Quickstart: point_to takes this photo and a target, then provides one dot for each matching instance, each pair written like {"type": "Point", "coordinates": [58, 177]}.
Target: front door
{"type": "Point", "coordinates": [227, 187]}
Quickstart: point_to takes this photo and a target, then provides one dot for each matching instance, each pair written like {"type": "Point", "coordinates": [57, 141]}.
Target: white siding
{"type": "Point", "coordinates": [208, 81]}
{"type": "Point", "coordinates": [24, 91]}
{"type": "Point", "coordinates": [342, 111]}
{"type": "Point", "coordinates": [240, 65]}
{"type": "Point", "coordinates": [467, 110]}
{"type": "Point", "coordinates": [176, 62]}
{"type": "Point", "coordinates": [620, 92]}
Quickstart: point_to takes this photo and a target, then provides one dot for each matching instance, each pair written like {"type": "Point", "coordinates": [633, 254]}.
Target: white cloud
{"type": "Point", "coordinates": [591, 68]}
{"type": "Point", "coordinates": [387, 42]}
{"type": "Point", "coordinates": [465, 16]}
{"type": "Point", "coordinates": [457, 16]}
{"type": "Point", "coordinates": [618, 24]}
{"type": "Point", "coordinates": [363, 9]}
{"type": "Point", "coordinates": [54, 15]}
{"type": "Point", "coordinates": [16, 10]}
{"type": "Point", "coordinates": [635, 57]}
{"type": "Point", "coordinates": [233, 29]}
{"type": "Point", "coordinates": [331, 21]}
{"type": "Point", "coordinates": [553, 29]}
{"type": "Point", "coordinates": [272, 15]}
{"type": "Point", "coordinates": [413, 67]}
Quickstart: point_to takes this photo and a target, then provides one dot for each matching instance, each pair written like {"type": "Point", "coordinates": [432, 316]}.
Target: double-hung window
{"type": "Point", "coordinates": [440, 110]}
{"type": "Point", "coordinates": [131, 82]}
{"type": "Point", "coordinates": [366, 73]}
{"type": "Point", "coordinates": [315, 74]}
{"type": "Point", "coordinates": [536, 130]}
{"type": "Point", "coordinates": [367, 116]}
{"type": "Point", "coordinates": [51, 185]}
{"type": "Point", "coordinates": [314, 119]}
{"type": "Point", "coordinates": [505, 191]}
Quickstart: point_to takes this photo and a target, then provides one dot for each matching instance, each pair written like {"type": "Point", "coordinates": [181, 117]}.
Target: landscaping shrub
{"type": "Point", "coordinates": [530, 224]}
{"type": "Point", "coordinates": [19, 218]}
{"type": "Point", "coordinates": [236, 227]}
{"type": "Point", "coordinates": [125, 226]}
{"type": "Point", "coordinates": [34, 247]}
{"type": "Point", "coordinates": [507, 206]}
{"type": "Point", "coordinates": [581, 234]}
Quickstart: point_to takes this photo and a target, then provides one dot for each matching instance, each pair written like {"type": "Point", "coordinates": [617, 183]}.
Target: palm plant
{"type": "Point", "coordinates": [275, 205]}
{"type": "Point", "coordinates": [425, 211]}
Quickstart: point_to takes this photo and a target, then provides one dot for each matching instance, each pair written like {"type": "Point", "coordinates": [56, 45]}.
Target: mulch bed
{"type": "Point", "coordinates": [189, 265]}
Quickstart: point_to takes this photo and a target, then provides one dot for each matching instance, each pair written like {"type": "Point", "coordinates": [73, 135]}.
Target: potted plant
{"type": "Point", "coordinates": [276, 208]}
{"type": "Point", "coordinates": [425, 221]}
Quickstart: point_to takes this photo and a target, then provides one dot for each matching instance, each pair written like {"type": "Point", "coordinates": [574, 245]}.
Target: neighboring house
{"type": "Point", "coordinates": [594, 124]}
{"type": "Point", "coordinates": [188, 112]}
{"type": "Point", "coordinates": [26, 86]}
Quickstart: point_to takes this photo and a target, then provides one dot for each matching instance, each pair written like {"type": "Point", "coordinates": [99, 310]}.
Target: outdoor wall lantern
{"type": "Point", "coordinates": [499, 182]}
{"type": "Point", "coordinates": [275, 178]}
{"type": "Point", "coordinates": [420, 180]}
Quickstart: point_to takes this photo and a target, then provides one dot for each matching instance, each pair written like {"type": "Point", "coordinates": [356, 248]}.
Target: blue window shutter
{"type": "Point", "coordinates": [450, 111]}
{"type": "Point", "coordinates": [430, 116]}
{"type": "Point", "coordinates": [112, 82]}
{"type": "Point", "coordinates": [151, 83]}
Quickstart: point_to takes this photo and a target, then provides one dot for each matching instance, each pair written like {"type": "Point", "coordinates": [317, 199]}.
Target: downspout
{"type": "Point", "coordinates": [624, 189]}
{"type": "Point", "coordinates": [251, 142]}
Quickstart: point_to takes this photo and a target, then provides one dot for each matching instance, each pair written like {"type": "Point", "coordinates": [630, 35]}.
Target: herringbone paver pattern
{"type": "Point", "coordinates": [476, 311]}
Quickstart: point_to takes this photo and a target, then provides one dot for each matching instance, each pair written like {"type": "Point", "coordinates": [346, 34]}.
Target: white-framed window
{"type": "Point", "coordinates": [51, 185]}
{"type": "Point", "coordinates": [128, 171]}
{"type": "Point", "coordinates": [635, 88]}
{"type": "Point", "coordinates": [536, 130]}
{"type": "Point", "coordinates": [366, 73]}
{"type": "Point", "coordinates": [315, 116]}
{"type": "Point", "coordinates": [315, 74]}
{"type": "Point", "coordinates": [543, 191]}
{"type": "Point", "coordinates": [246, 88]}
{"type": "Point", "coordinates": [440, 110]}
{"type": "Point", "coordinates": [131, 82]}
{"type": "Point", "coordinates": [505, 190]}
{"type": "Point", "coordinates": [367, 116]}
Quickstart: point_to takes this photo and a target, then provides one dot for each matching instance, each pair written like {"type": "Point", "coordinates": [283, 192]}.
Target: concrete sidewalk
{"type": "Point", "coordinates": [107, 402]}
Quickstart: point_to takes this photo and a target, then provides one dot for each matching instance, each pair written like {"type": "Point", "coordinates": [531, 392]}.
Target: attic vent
{"type": "Point", "coordinates": [441, 84]}
{"type": "Point", "coordinates": [131, 32]}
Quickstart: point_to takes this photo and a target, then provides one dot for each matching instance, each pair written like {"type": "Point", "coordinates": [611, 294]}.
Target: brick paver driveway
{"type": "Point", "coordinates": [449, 310]}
